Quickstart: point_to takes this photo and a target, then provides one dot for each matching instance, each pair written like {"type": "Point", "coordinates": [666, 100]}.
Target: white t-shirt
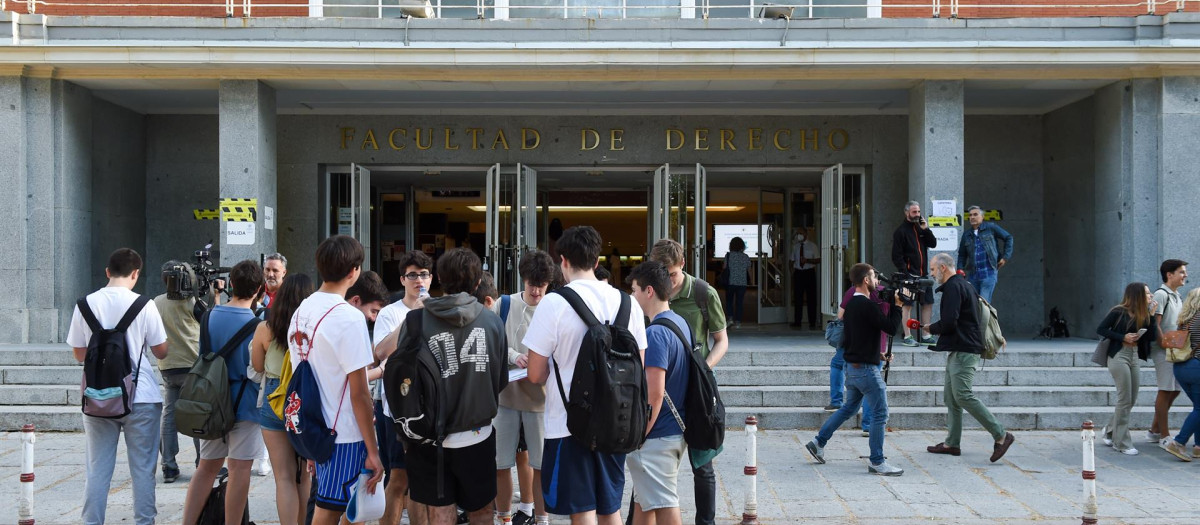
{"type": "Point", "coordinates": [390, 318]}
{"type": "Point", "coordinates": [556, 332]}
{"type": "Point", "coordinates": [342, 346]}
{"type": "Point", "coordinates": [110, 304]}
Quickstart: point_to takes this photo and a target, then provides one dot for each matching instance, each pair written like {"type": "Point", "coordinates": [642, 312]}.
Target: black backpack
{"type": "Point", "coordinates": [109, 378]}
{"type": "Point", "coordinates": [213, 512]}
{"type": "Point", "coordinates": [608, 411]}
{"type": "Point", "coordinates": [704, 420]}
{"type": "Point", "coordinates": [413, 382]}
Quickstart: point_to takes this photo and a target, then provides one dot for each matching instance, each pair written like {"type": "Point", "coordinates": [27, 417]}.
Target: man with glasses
{"type": "Point", "coordinates": [418, 274]}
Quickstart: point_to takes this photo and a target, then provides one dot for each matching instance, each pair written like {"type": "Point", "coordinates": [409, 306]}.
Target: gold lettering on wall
{"type": "Point", "coordinates": [449, 146]}
{"type": "Point", "coordinates": [347, 136]}
{"type": "Point", "coordinates": [584, 135]}
{"type": "Point", "coordinates": [674, 139]}
{"type": "Point", "coordinates": [528, 133]}
{"type": "Point", "coordinates": [370, 139]}
{"type": "Point", "coordinates": [392, 138]}
{"type": "Point", "coordinates": [701, 139]}
{"type": "Point", "coordinates": [500, 139]}
{"type": "Point", "coordinates": [778, 133]}
{"type": "Point", "coordinates": [755, 139]}
{"type": "Point", "coordinates": [616, 140]}
{"type": "Point", "coordinates": [429, 139]}
{"type": "Point", "coordinates": [474, 132]}
{"type": "Point", "coordinates": [727, 140]}
{"type": "Point", "coordinates": [843, 139]}
{"type": "Point", "coordinates": [814, 139]}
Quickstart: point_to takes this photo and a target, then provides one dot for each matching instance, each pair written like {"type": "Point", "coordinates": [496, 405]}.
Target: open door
{"type": "Point", "coordinates": [511, 222]}
{"type": "Point", "coordinates": [833, 245]}
{"type": "Point", "coordinates": [771, 253]}
{"type": "Point", "coordinates": [360, 202]}
{"type": "Point", "coordinates": [674, 195]}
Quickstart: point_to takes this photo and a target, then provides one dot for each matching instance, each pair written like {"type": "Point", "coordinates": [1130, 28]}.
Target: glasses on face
{"type": "Point", "coordinates": [413, 276]}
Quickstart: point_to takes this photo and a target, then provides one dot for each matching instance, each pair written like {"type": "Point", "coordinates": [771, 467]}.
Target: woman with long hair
{"type": "Point", "coordinates": [738, 264]}
{"type": "Point", "coordinates": [268, 350]}
{"type": "Point", "coordinates": [1187, 374]}
{"type": "Point", "coordinates": [1129, 328]}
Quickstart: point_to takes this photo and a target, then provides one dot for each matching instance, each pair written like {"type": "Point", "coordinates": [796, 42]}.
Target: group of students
{"type": "Point", "coordinates": [1136, 330]}
{"type": "Point", "coordinates": [488, 425]}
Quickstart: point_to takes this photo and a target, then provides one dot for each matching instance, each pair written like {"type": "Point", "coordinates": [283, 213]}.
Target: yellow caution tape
{"type": "Point", "coordinates": [951, 220]}
{"type": "Point", "coordinates": [239, 214]}
{"type": "Point", "coordinates": [248, 203]}
{"type": "Point", "coordinates": [989, 215]}
{"type": "Point", "coordinates": [206, 214]}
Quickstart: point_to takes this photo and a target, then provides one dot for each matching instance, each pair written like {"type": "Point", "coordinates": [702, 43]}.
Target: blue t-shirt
{"type": "Point", "coordinates": [223, 323]}
{"type": "Point", "coordinates": [665, 350]}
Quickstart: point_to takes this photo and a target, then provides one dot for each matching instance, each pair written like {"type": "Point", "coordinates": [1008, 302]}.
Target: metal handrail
{"type": "Point", "coordinates": [686, 8]}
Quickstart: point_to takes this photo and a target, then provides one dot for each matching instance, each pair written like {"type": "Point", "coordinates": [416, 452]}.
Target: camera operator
{"type": "Point", "coordinates": [960, 335]}
{"type": "Point", "coordinates": [864, 321]}
{"type": "Point", "coordinates": [183, 342]}
{"type": "Point", "coordinates": [910, 244]}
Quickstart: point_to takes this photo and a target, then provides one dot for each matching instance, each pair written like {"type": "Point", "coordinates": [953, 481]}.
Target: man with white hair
{"type": "Point", "coordinates": [960, 334]}
{"type": "Point", "coordinates": [274, 270]}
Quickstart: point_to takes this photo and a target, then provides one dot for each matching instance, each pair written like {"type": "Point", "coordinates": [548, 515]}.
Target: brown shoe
{"type": "Point", "coordinates": [941, 448]}
{"type": "Point", "coordinates": [1000, 448]}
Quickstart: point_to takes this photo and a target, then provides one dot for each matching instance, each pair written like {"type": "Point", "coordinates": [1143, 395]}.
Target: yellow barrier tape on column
{"type": "Point", "coordinates": [944, 221]}
{"type": "Point", "coordinates": [248, 203]}
{"type": "Point", "coordinates": [206, 214]}
{"type": "Point", "coordinates": [239, 214]}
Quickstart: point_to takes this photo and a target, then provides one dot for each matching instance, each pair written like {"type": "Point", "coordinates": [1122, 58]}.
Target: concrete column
{"type": "Point", "coordinates": [247, 160]}
{"type": "Point", "coordinates": [935, 147]}
{"type": "Point", "coordinates": [45, 210]}
{"type": "Point", "coordinates": [1180, 169]}
{"type": "Point", "coordinates": [1128, 186]}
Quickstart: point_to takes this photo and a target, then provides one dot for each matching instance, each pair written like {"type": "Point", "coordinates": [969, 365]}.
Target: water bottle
{"type": "Point", "coordinates": [424, 293]}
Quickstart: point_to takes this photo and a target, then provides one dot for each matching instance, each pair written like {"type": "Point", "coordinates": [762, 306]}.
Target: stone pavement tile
{"type": "Point", "coordinates": [1023, 488]}
{"type": "Point", "coordinates": [879, 508]}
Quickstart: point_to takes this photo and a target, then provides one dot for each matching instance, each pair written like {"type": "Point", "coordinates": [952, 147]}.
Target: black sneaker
{"type": "Point", "coordinates": [169, 476]}
{"type": "Point", "coordinates": [520, 518]}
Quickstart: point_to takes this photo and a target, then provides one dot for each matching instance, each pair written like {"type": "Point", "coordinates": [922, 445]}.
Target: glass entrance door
{"type": "Point", "coordinates": [833, 239]}
{"type": "Point", "coordinates": [511, 221]}
{"type": "Point", "coordinates": [360, 210]}
{"type": "Point", "coordinates": [677, 212]}
{"type": "Point", "coordinates": [772, 256]}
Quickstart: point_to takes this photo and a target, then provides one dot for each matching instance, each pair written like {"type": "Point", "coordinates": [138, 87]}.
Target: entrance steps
{"type": "Point", "coordinates": [784, 382]}
{"type": "Point", "coordinates": [781, 377]}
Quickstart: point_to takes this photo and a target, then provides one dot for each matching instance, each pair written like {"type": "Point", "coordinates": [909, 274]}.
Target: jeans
{"type": "Point", "coordinates": [735, 297]}
{"type": "Point", "coordinates": [958, 394]}
{"type": "Point", "coordinates": [862, 382]}
{"type": "Point", "coordinates": [837, 386]}
{"type": "Point", "coordinates": [169, 444]}
{"type": "Point", "coordinates": [1187, 374]}
{"type": "Point", "coordinates": [141, 428]}
{"type": "Point", "coordinates": [704, 482]}
{"type": "Point", "coordinates": [1125, 370]}
{"type": "Point", "coordinates": [985, 287]}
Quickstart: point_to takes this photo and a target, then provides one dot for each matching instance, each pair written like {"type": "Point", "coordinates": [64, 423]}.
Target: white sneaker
{"type": "Point", "coordinates": [404, 517]}
{"type": "Point", "coordinates": [1105, 437]}
{"type": "Point", "coordinates": [816, 451]}
{"type": "Point", "coordinates": [264, 467]}
{"type": "Point", "coordinates": [884, 469]}
{"type": "Point", "coordinates": [1130, 451]}
{"type": "Point", "coordinates": [1152, 437]}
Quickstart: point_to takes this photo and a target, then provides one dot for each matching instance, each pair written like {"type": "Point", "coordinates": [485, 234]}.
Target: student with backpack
{"type": "Point", "coordinates": [700, 305]}
{"type": "Point", "coordinates": [655, 467]}
{"type": "Point", "coordinates": [584, 451]}
{"type": "Point", "coordinates": [328, 412]}
{"type": "Point", "coordinates": [110, 331]}
{"type": "Point", "coordinates": [522, 404]}
{"type": "Point", "coordinates": [269, 355]}
{"type": "Point", "coordinates": [226, 330]}
{"type": "Point", "coordinates": [443, 382]}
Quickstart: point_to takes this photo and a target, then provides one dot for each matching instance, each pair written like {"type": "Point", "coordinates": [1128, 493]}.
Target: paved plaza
{"type": "Point", "coordinates": [1037, 482]}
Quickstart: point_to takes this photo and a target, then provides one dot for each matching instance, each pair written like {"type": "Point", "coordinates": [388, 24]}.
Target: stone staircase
{"type": "Point", "coordinates": [782, 377]}
{"type": "Point", "coordinates": [783, 380]}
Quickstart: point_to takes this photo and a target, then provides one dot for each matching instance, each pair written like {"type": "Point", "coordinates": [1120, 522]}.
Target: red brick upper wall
{"type": "Point", "coordinates": [891, 9]}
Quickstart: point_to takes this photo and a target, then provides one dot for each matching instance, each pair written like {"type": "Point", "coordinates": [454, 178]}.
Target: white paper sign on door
{"type": "Point", "coordinates": [268, 217]}
{"type": "Point", "coordinates": [947, 239]}
{"type": "Point", "coordinates": [239, 233]}
{"type": "Point", "coordinates": [944, 208]}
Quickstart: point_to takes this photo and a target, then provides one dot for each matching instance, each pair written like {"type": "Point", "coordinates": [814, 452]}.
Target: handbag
{"type": "Point", "coordinates": [1100, 356]}
{"type": "Point", "coordinates": [1177, 346]}
{"type": "Point", "coordinates": [723, 278]}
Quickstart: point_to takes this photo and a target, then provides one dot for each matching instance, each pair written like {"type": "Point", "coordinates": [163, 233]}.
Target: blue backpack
{"type": "Point", "coordinates": [303, 418]}
{"type": "Point", "coordinates": [505, 305]}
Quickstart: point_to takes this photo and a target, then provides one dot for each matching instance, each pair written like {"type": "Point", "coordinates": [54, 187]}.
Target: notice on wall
{"type": "Point", "coordinates": [947, 239]}
{"type": "Point", "coordinates": [944, 208]}
{"type": "Point", "coordinates": [268, 217]}
{"type": "Point", "coordinates": [239, 233]}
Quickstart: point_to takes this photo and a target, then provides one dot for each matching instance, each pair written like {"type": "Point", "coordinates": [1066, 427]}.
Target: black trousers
{"type": "Point", "coordinates": [804, 291]}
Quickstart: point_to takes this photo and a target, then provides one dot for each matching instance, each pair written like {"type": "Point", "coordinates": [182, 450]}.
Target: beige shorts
{"type": "Point", "coordinates": [243, 442]}
{"type": "Point", "coordinates": [1164, 371]}
{"type": "Point", "coordinates": [655, 472]}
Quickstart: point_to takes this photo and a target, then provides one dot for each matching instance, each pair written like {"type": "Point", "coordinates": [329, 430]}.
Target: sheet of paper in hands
{"type": "Point", "coordinates": [517, 374]}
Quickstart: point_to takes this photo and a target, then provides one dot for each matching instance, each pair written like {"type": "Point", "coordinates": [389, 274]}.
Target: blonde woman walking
{"type": "Point", "coordinates": [1129, 328]}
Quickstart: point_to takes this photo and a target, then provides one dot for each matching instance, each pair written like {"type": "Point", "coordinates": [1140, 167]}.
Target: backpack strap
{"type": "Point", "coordinates": [581, 308]}
{"type": "Point", "coordinates": [85, 311]}
{"type": "Point", "coordinates": [312, 338]}
{"type": "Point", "coordinates": [505, 305]}
{"type": "Point", "coordinates": [241, 334]}
{"type": "Point", "coordinates": [700, 295]}
{"type": "Point", "coordinates": [131, 314]}
{"type": "Point", "coordinates": [674, 328]}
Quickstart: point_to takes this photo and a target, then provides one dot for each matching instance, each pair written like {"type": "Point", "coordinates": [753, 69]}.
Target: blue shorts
{"type": "Point", "coordinates": [336, 476]}
{"type": "Point", "coordinates": [575, 479]}
{"type": "Point", "coordinates": [391, 450]}
{"type": "Point", "coordinates": [266, 417]}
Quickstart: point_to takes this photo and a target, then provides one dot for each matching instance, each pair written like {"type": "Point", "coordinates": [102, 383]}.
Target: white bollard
{"type": "Point", "coordinates": [25, 510]}
{"type": "Point", "coordinates": [1090, 509]}
{"type": "Point", "coordinates": [750, 513]}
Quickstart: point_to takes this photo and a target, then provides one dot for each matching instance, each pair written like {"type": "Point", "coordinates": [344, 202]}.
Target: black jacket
{"type": "Point", "coordinates": [1117, 323]}
{"type": "Point", "coordinates": [469, 344]}
{"type": "Point", "coordinates": [863, 321]}
{"type": "Point", "coordinates": [958, 330]}
{"type": "Point", "coordinates": [910, 246]}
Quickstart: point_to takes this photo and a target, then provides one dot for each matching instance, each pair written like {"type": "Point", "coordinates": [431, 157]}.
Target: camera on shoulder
{"type": "Point", "coordinates": [188, 280]}
{"type": "Point", "coordinates": [903, 281]}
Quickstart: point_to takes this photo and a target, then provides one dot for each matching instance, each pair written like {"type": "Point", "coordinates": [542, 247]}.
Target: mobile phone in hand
{"type": "Point", "coordinates": [1140, 333]}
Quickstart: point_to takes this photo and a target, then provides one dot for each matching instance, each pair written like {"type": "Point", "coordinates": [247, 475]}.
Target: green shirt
{"type": "Point", "coordinates": [684, 304]}
{"type": "Point", "coordinates": [183, 332]}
